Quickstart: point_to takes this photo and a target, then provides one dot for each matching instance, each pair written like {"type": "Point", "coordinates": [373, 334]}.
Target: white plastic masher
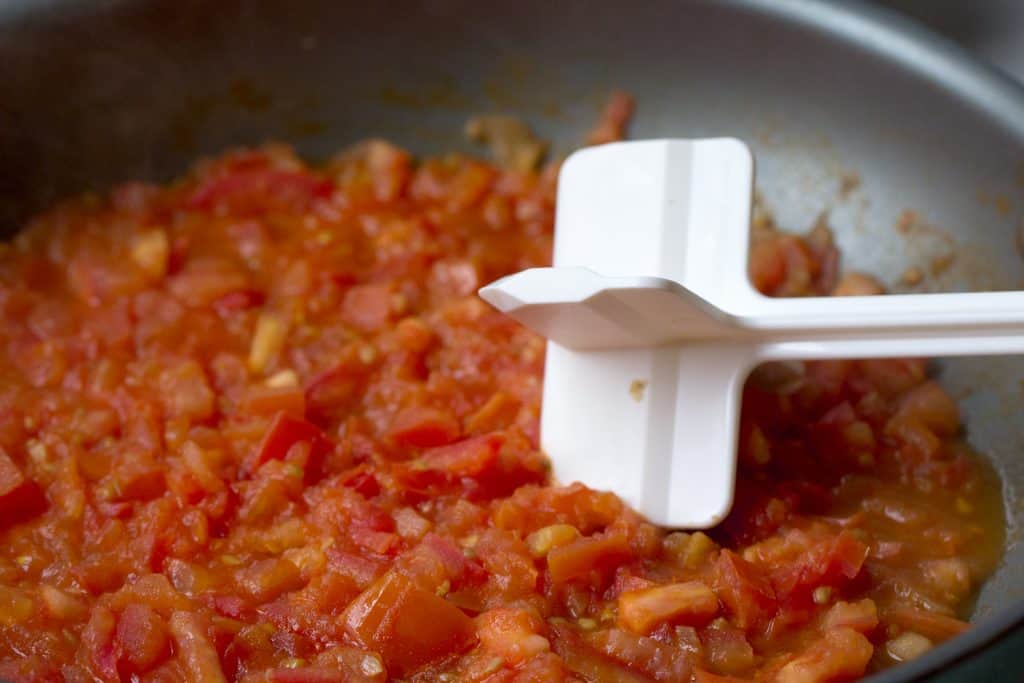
{"type": "Point", "coordinates": [653, 324]}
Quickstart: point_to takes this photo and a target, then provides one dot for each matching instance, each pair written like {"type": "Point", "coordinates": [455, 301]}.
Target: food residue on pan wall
{"type": "Point", "coordinates": [511, 142]}
{"type": "Point", "coordinates": [637, 388]}
{"type": "Point", "coordinates": [941, 262]}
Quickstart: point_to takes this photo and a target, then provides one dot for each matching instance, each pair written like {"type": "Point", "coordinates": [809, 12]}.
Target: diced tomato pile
{"type": "Point", "coordinates": [255, 425]}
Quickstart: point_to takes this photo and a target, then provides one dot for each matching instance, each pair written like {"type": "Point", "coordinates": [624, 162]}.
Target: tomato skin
{"type": "Point", "coordinates": [582, 659]}
{"type": "Point", "coordinates": [936, 626]}
{"type": "Point", "coordinates": [20, 497]}
{"type": "Point", "coordinates": [423, 427]}
{"type": "Point", "coordinates": [239, 300]}
{"type": "Point", "coordinates": [468, 458]}
{"type": "Point", "coordinates": [98, 644]}
{"type": "Point", "coordinates": [842, 654]}
{"type": "Point", "coordinates": [579, 558]}
{"type": "Point", "coordinates": [141, 638]}
{"type": "Point", "coordinates": [367, 307]}
{"type": "Point", "coordinates": [745, 591]}
{"type": "Point", "coordinates": [835, 562]}
{"type": "Point", "coordinates": [284, 432]}
{"type": "Point", "coordinates": [406, 625]}
{"type": "Point", "coordinates": [264, 400]}
{"type": "Point", "coordinates": [691, 602]}
{"type": "Point", "coordinates": [701, 676]}
{"type": "Point", "coordinates": [361, 479]}
{"type": "Point", "coordinates": [308, 674]}
{"type": "Point", "coordinates": [258, 189]}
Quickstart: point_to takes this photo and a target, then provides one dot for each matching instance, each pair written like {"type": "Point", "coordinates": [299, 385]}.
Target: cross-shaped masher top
{"type": "Point", "coordinates": [653, 324]}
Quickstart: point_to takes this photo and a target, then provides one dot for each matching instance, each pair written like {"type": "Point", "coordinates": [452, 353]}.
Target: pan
{"type": "Point", "coordinates": [851, 111]}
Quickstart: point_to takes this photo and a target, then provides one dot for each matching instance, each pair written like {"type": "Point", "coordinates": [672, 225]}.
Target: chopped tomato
{"type": "Point", "coordinates": [745, 591]}
{"type": "Point", "coordinates": [267, 400]}
{"type": "Point", "coordinates": [408, 626]}
{"type": "Point", "coordinates": [239, 300]}
{"type": "Point", "coordinates": [468, 458]}
{"type": "Point", "coordinates": [284, 432]}
{"type": "Point", "coordinates": [194, 649]}
{"type": "Point", "coordinates": [98, 644]}
{"type": "Point", "coordinates": [257, 425]}
{"type": "Point", "coordinates": [258, 189]}
{"type": "Point", "coordinates": [308, 674]}
{"type": "Point", "coordinates": [579, 558]}
{"type": "Point", "coordinates": [367, 307]}
{"type": "Point", "coordinates": [701, 676]}
{"type": "Point", "coordinates": [861, 616]}
{"type": "Point", "coordinates": [691, 602]}
{"type": "Point", "coordinates": [423, 427]}
{"type": "Point", "coordinates": [936, 626]}
{"type": "Point", "coordinates": [842, 654]}
{"type": "Point", "coordinates": [20, 497]}
{"type": "Point", "coordinates": [141, 638]}
{"type": "Point", "coordinates": [584, 660]}
{"type": "Point", "coordinates": [830, 563]}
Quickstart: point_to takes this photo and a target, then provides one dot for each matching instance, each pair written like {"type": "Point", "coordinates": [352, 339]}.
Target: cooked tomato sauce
{"type": "Point", "coordinates": [255, 425]}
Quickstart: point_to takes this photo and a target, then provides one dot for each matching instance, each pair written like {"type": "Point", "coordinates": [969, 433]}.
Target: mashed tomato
{"type": "Point", "coordinates": [255, 425]}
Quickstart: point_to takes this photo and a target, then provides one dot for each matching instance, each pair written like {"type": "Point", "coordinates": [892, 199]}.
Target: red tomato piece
{"type": "Point", "coordinates": [98, 643]}
{"type": "Point", "coordinates": [424, 427]}
{"type": "Point", "coordinates": [361, 479]}
{"type": "Point", "coordinates": [831, 563]}
{"type": "Point", "coordinates": [701, 676]}
{"type": "Point", "coordinates": [406, 625]}
{"type": "Point", "coordinates": [579, 558]}
{"type": "Point", "coordinates": [20, 497]}
{"type": "Point", "coordinates": [467, 458]}
{"type": "Point", "coordinates": [362, 570]}
{"type": "Point", "coordinates": [841, 655]}
{"type": "Point", "coordinates": [141, 639]}
{"type": "Point", "coordinates": [584, 660]}
{"type": "Point", "coordinates": [932, 625]}
{"type": "Point", "coordinates": [367, 307]}
{"type": "Point", "coordinates": [744, 590]}
{"type": "Point", "coordinates": [264, 400]}
{"type": "Point", "coordinates": [284, 432]}
{"type": "Point", "coordinates": [238, 301]}
{"type": "Point", "coordinates": [332, 391]}
{"type": "Point", "coordinates": [308, 674]}
{"type": "Point", "coordinates": [259, 188]}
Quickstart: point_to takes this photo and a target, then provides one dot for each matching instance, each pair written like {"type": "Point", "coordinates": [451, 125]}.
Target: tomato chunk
{"type": "Point", "coordinates": [743, 589]}
{"type": "Point", "coordinates": [585, 555]}
{"type": "Point", "coordinates": [588, 662]}
{"type": "Point", "coordinates": [467, 458]}
{"type": "Point", "coordinates": [284, 432]}
{"type": "Point", "coordinates": [831, 563]}
{"type": "Point", "coordinates": [20, 497]}
{"type": "Point", "coordinates": [367, 307]}
{"type": "Point", "coordinates": [142, 638]}
{"type": "Point", "coordinates": [406, 625]}
{"type": "Point", "coordinates": [938, 627]}
{"type": "Point", "coordinates": [267, 400]}
{"type": "Point", "coordinates": [308, 674]}
{"type": "Point", "coordinates": [691, 602]}
{"type": "Point", "coordinates": [842, 655]}
{"type": "Point", "coordinates": [252, 190]}
{"type": "Point", "coordinates": [424, 427]}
